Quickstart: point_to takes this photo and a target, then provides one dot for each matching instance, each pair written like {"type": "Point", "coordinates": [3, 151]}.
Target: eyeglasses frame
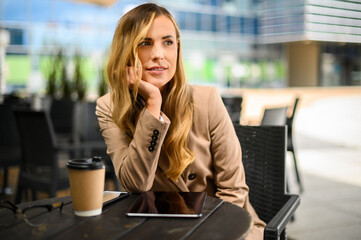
{"type": "Point", "coordinates": [16, 210]}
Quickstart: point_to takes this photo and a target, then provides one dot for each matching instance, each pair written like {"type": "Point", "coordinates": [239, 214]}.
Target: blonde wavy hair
{"type": "Point", "coordinates": [177, 100]}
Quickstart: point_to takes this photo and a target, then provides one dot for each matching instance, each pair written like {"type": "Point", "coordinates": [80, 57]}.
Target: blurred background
{"type": "Point", "coordinates": [227, 43]}
{"type": "Point", "coordinates": [269, 52]}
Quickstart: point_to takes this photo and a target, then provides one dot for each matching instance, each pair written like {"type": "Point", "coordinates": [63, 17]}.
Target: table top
{"type": "Point", "coordinates": [220, 220]}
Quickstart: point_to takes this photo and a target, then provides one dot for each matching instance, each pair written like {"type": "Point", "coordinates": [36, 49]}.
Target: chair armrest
{"type": "Point", "coordinates": [278, 223]}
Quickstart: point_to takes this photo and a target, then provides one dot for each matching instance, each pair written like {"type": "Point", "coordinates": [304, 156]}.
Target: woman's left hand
{"type": "Point", "coordinates": [150, 93]}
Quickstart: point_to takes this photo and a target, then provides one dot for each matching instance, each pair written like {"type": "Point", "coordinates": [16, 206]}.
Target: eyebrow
{"type": "Point", "coordinates": [165, 37]}
{"type": "Point", "coordinates": [168, 36]}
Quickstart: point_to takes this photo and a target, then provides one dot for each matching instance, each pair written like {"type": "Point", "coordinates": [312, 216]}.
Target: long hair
{"type": "Point", "coordinates": [177, 100]}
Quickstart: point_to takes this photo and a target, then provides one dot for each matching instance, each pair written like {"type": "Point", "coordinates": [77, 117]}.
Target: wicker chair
{"type": "Point", "coordinates": [290, 144]}
{"type": "Point", "coordinates": [263, 155]}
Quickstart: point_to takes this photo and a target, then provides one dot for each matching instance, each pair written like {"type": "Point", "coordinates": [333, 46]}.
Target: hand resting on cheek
{"type": "Point", "coordinates": [150, 93]}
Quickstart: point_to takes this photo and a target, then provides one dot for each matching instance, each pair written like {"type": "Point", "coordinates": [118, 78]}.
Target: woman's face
{"type": "Point", "coordinates": [158, 52]}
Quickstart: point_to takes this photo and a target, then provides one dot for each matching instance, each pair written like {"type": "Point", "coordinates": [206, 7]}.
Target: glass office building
{"type": "Point", "coordinates": [220, 42]}
{"type": "Point", "coordinates": [326, 32]}
{"type": "Point", "coordinates": [227, 43]}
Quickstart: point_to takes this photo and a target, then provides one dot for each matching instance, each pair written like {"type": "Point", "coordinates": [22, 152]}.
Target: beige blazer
{"type": "Point", "coordinates": [217, 169]}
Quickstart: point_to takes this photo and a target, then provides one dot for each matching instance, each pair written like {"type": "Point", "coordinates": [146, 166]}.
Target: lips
{"type": "Point", "coordinates": [157, 68]}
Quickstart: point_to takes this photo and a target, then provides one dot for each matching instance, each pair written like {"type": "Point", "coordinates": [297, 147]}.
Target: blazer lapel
{"type": "Point", "coordinates": [181, 185]}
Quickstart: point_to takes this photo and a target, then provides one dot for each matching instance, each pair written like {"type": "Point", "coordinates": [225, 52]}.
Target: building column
{"type": "Point", "coordinates": [303, 64]}
{"type": "Point", "coordinates": [4, 42]}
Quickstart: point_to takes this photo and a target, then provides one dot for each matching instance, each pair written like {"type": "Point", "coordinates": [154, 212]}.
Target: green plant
{"type": "Point", "coordinates": [52, 71]}
{"type": "Point", "coordinates": [103, 86]}
{"type": "Point", "coordinates": [51, 83]}
{"type": "Point", "coordinates": [65, 83]}
{"type": "Point", "coordinates": [80, 84]}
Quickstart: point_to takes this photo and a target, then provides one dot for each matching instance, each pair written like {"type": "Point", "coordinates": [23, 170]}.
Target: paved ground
{"type": "Point", "coordinates": [328, 143]}
{"type": "Point", "coordinates": [329, 210]}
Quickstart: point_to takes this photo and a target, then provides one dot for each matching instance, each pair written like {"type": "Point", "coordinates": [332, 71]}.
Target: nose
{"type": "Point", "coordinates": [157, 52]}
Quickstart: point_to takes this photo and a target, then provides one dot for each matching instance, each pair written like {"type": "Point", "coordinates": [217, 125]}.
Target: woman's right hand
{"type": "Point", "coordinates": [150, 93]}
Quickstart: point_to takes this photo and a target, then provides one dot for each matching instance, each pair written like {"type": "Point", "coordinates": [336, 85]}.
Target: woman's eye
{"type": "Point", "coordinates": [144, 43]}
{"type": "Point", "coordinates": [168, 42]}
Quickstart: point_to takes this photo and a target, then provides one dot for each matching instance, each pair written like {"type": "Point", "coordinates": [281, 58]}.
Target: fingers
{"type": "Point", "coordinates": [145, 89]}
{"type": "Point", "coordinates": [130, 76]}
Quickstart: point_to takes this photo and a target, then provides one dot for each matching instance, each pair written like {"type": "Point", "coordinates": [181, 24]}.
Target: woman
{"type": "Point", "coordinates": [161, 133]}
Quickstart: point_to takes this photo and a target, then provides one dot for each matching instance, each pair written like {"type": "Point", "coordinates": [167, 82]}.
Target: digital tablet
{"type": "Point", "coordinates": [168, 204]}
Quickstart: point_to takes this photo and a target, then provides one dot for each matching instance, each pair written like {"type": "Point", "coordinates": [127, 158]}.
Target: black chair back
{"type": "Point", "coordinates": [274, 116]}
{"type": "Point", "coordinates": [290, 145]}
{"type": "Point", "coordinates": [10, 152]}
{"type": "Point", "coordinates": [37, 139]}
{"type": "Point", "coordinates": [88, 132]}
{"type": "Point", "coordinates": [62, 117]}
{"type": "Point", "coordinates": [8, 129]}
{"type": "Point", "coordinates": [295, 104]}
{"type": "Point", "coordinates": [234, 107]}
{"type": "Point", "coordinates": [263, 156]}
{"type": "Point", "coordinates": [16, 102]}
{"type": "Point", "coordinates": [87, 125]}
{"type": "Point", "coordinates": [39, 168]}
{"type": "Point", "coordinates": [289, 122]}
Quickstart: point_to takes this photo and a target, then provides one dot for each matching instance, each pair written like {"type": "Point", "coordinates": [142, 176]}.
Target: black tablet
{"type": "Point", "coordinates": [168, 204]}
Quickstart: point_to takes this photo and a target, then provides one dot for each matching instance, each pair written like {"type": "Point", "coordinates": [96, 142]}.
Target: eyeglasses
{"type": "Point", "coordinates": [10, 214]}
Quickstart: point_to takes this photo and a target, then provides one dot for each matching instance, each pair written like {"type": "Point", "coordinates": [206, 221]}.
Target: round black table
{"type": "Point", "coordinates": [220, 220]}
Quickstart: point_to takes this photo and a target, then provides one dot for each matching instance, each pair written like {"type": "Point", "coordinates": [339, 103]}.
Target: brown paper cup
{"type": "Point", "coordinates": [86, 187]}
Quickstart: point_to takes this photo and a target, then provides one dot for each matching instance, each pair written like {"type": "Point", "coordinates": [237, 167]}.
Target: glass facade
{"type": "Point", "coordinates": [222, 40]}
{"type": "Point", "coordinates": [340, 65]}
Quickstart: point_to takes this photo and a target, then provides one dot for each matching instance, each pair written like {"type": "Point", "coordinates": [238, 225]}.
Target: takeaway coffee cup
{"type": "Point", "coordinates": [86, 177]}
